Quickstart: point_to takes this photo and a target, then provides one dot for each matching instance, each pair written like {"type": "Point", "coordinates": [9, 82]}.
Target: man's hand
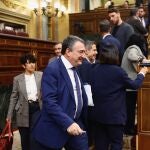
{"type": "Point", "coordinates": [74, 129]}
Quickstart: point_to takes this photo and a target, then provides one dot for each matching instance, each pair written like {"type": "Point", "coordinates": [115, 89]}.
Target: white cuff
{"type": "Point", "coordinates": [142, 73]}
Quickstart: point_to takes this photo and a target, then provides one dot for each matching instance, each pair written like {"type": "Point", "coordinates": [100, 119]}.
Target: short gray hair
{"type": "Point", "coordinates": [69, 42]}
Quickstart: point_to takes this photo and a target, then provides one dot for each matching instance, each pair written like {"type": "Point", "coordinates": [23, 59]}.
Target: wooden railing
{"type": "Point", "coordinates": [86, 24]}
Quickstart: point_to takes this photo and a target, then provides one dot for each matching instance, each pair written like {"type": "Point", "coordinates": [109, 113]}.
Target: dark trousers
{"type": "Point", "coordinates": [131, 98]}
{"type": "Point", "coordinates": [37, 146]}
{"type": "Point", "coordinates": [91, 126]}
{"type": "Point", "coordinates": [74, 143]}
{"type": "Point", "coordinates": [25, 132]}
{"type": "Point", "coordinates": [108, 137]}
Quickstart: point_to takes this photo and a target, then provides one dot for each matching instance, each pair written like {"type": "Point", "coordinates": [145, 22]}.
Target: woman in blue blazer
{"type": "Point", "coordinates": [109, 83]}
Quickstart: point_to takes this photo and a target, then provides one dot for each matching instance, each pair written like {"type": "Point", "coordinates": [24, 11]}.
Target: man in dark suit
{"type": "Point", "coordinates": [138, 27]}
{"type": "Point", "coordinates": [63, 117]}
{"type": "Point", "coordinates": [135, 21]}
{"type": "Point", "coordinates": [108, 83]}
{"type": "Point", "coordinates": [57, 51]}
{"type": "Point", "coordinates": [107, 38]}
{"type": "Point", "coordinates": [90, 58]}
{"type": "Point", "coordinates": [142, 17]}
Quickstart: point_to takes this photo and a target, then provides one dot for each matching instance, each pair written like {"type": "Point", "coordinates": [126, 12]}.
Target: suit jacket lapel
{"type": "Point", "coordinates": [23, 85]}
{"type": "Point", "coordinates": [66, 77]}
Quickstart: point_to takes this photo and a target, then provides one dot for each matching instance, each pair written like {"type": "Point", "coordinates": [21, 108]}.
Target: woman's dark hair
{"type": "Point", "coordinates": [27, 58]}
{"type": "Point", "coordinates": [109, 54]}
{"type": "Point", "coordinates": [136, 39]}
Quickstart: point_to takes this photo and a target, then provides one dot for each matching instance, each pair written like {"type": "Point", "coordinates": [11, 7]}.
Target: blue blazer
{"type": "Point", "coordinates": [110, 39]}
{"type": "Point", "coordinates": [84, 70]}
{"type": "Point", "coordinates": [109, 83]}
{"type": "Point", "coordinates": [58, 106]}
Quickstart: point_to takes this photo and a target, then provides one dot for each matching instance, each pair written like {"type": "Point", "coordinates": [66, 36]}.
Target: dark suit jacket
{"type": "Point", "coordinates": [58, 106]}
{"type": "Point", "coordinates": [84, 70]}
{"type": "Point", "coordinates": [138, 3]}
{"type": "Point", "coordinates": [109, 39]}
{"type": "Point", "coordinates": [137, 26]}
{"type": "Point", "coordinates": [108, 84]}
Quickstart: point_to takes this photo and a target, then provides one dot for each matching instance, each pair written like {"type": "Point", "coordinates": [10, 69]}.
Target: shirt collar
{"type": "Point", "coordinates": [106, 35]}
{"type": "Point", "coordinates": [66, 63]}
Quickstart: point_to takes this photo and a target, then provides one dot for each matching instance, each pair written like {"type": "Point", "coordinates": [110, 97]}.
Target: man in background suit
{"type": "Point", "coordinates": [90, 58]}
{"type": "Point", "coordinates": [107, 38]}
{"type": "Point", "coordinates": [135, 21]}
{"type": "Point", "coordinates": [57, 51]}
{"type": "Point", "coordinates": [63, 117]}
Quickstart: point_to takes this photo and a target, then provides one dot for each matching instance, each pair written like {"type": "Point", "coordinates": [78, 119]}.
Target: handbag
{"type": "Point", "coordinates": [6, 137]}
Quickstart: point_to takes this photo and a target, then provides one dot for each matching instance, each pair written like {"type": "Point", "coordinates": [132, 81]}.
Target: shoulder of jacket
{"type": "Point", "coordinates": [39, 72]}
{"type": "Point", "coordinates": [133, 47]}
{"type": "Point", "coordinates": [19, 76]}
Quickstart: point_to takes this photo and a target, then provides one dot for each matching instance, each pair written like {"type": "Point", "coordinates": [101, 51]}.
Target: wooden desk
{"type": "Point", "coordinates": [143, 140]}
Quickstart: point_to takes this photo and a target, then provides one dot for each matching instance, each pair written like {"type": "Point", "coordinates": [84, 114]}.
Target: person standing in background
{"type": "Point", "coordinates": [133, 55]}
{"type": "Point", "coordinates": [108, 4]}
{"type": "Point", "coordinates": [107, 38]}
{"type": "Point", "coordinates": [120, 30]}
{"type": "Point", "coordinates": [90, 58]}
{"type": "Point", "coordinates": [57, 51]}
{"type": "Point", "coordinates": [138, 27]}
{"type": "Point", "coordinates": [126, 4]}
{"type": "Point", "coordinates": [139, 3]}
{"type": "Point", "coordinates": [108, 83]}
{"type": "Point", "coordinates": [142, 18]}
{"type": "Point", "coordinates": [90, 51]}
{"type": "Point", "coordinates": [26, 99]}
{"type": "Point", "coordinates": [63, 117]}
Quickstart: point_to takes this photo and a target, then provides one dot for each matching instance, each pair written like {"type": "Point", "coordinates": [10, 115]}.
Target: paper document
{"type": "Point", "coordinates": [88, 91]}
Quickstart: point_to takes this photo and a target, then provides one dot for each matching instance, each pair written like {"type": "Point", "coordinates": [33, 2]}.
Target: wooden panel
{"type": "Point", "coordinates": [13, 47]}
{"type": "Point", "coordinates": [144, 115]}
{"type": "Point", "coordinates": [43, 58]}
{"type": "Point", "coordinates": [24, 43]}
{"type": "Point", "coordinates": [143, 141]}
{"type": "Point", "coordinates": [86, 24]}
{"type": "Point", "coordinates": [144, 110]}
{"type": "Point", "coordinates": [6, 78]}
